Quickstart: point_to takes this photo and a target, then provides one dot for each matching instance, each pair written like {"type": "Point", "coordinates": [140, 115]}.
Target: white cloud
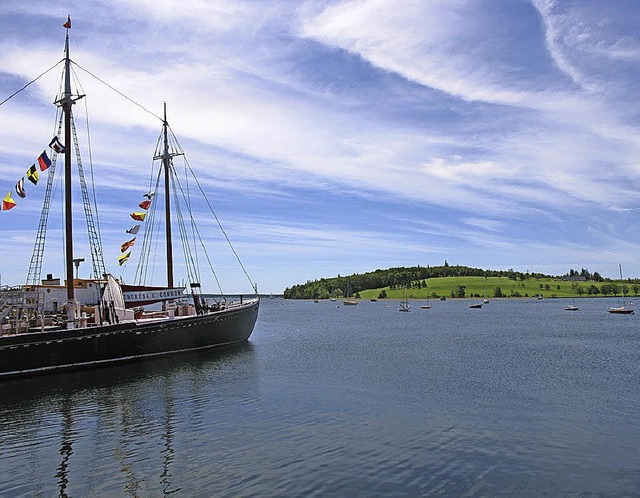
{"type": "Point", "coordinates": [418, 41]}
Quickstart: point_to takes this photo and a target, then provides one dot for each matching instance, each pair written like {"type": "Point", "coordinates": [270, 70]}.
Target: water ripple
{"type": "Point", "coordinates": [516, 400]}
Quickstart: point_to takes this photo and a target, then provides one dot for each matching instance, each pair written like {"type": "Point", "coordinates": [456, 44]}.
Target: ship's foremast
{"type": "Point", "coordinates": [66, 102]}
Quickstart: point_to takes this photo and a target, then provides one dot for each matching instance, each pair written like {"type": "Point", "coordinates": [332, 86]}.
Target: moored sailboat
{"type": "Point", "coordinates": [624, 308]}
{"type": "Point", "coordinates": [485, 299]}
{"type": "Point", "coordinates": [404, 304]}
{"type": "Point", "coordinates": [572, 306]}
{"type": "Point", "coordinates": [82, 329]}
{"type": "Point", "coordinates": [349, 301]}
{"type": "Point", "coordinates": [426, 306]}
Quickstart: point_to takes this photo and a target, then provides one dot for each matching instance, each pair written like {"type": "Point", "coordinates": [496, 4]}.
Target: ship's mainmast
{"type": "Point", "coordinates": [66, 102]}
{"type": "Point", "coordinates": [166, 162]}
{"type": "Point", "coordinates": [166, 157]}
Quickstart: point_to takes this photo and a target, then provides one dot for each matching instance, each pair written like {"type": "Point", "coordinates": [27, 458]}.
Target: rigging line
{"type": "Point", "coordinates": [204, 248]}
{"type": "Point", "coordinates": [153, 164]}
{"type": "Point", "coordinates": [147, 240]}
{"type": "Point", "coordinates": [183, 229]}
{"type": "Point", "coordinates": [76, 81]}
{"type": "Point", "coordinates": [191, 264]}
{"type": "Point", "coordinates": [57, 128]}
{"type": "Point", "coordinates": [32, 81]}
{"type": "Point", "coordinates": [222, 230]}
{"type": "Point", "coordinates": [60, 91]}
{"type": "Point", "coordinates": [57, 187]}
{"type": "Point", "coordinates": [142, 244]}
{"type": "Point", "coordinates": [192, 274]}
{"type": "Point", "coordinates": [118, 92]}
{"type": "Point", "coordinates": [188, 201]}
{"type": "Point", "coordinates": [145, 250]}
{"type": "Point", "coordinates": [215, 215]}
{"type": "Point", "coordinates": [154, 230]}
{"type": "Point", "coordinates": [93, 183]}
{"type": "Point", "coordinates": [35, 266]}
{"type": "Point", "coordinates": [185, 234]}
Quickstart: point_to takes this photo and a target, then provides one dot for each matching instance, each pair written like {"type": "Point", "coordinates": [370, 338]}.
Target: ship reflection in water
{"type": "Point", "coordinates": [114, 430]}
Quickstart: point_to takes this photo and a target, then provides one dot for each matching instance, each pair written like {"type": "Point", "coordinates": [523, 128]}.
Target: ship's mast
{"type": "Point", "coordinates": [166, 155]}
{"type": "Point", "coordinates": [66, 102]}
{"type": "Point", "coordinates": [166, 162]}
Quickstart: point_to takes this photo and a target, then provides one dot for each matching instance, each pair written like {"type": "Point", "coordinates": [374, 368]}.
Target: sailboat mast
{"type": "Point", "coordinates": [166, 162]}
{"type": "Point", "coordinates": [622, 281]}
{"type": "Point", "coordinates": [66, 103]}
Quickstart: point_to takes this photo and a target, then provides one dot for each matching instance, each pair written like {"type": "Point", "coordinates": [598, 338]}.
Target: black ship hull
{"type": "Point", "coordinates": [41, 352]}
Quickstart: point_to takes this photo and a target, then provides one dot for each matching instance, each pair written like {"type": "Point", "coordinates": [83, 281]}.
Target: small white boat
{"type": "Point", "coordinates": [485, 299]}
{"type": "Point", "coordinates": [625, 309]}
{"type": "Point", "coordinates": [622, 310]}
{"type": "Point", "coordinates": [572, 306]}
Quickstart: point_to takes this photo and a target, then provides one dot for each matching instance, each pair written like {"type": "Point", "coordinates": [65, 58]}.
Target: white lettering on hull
{"type": "Point", "coordinates": [153, 295]}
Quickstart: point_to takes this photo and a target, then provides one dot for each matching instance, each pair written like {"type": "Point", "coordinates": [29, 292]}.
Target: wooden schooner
{"type": "Point", "coordinates": [100, 320]}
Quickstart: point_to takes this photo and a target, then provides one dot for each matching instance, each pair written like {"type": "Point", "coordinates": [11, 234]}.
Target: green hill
{"type": "Point", "coordinates": [460, 282]}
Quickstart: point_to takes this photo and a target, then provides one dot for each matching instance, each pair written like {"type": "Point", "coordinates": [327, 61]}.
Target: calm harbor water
{"type": "Point", "coordinates": [517, 398]}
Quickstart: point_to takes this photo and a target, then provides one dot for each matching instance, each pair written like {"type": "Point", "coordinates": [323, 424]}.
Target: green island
{"type": "Point", "coordinates": [459, 282]}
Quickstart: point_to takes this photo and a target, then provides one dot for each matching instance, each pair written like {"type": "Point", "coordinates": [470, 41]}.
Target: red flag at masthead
{"type": "Point", "coordinates": [68, 23]}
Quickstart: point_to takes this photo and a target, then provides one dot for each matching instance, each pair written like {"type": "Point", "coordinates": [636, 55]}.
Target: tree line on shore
{"type": "Point", "coordinates": [417, 277]}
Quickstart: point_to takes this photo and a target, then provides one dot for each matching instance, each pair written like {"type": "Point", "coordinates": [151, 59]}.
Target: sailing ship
{"type": "Point", "coordinates": [348, 301]}
{"type": "Point", "coordinates": [624, 308]}
{"type": "Point", "coordinates": [404, 305]}
{"type": "Point", "coordinates": [100, 321]}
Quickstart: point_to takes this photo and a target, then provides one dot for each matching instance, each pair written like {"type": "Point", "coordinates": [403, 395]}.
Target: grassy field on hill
{"type": "Point", "coordinates": [461, 282]}
{"type": "Point", "coordinates": [480, 286]}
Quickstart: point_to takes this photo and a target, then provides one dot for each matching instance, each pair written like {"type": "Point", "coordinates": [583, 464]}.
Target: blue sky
{"type": "Point", "coordinates": [335, 137]}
